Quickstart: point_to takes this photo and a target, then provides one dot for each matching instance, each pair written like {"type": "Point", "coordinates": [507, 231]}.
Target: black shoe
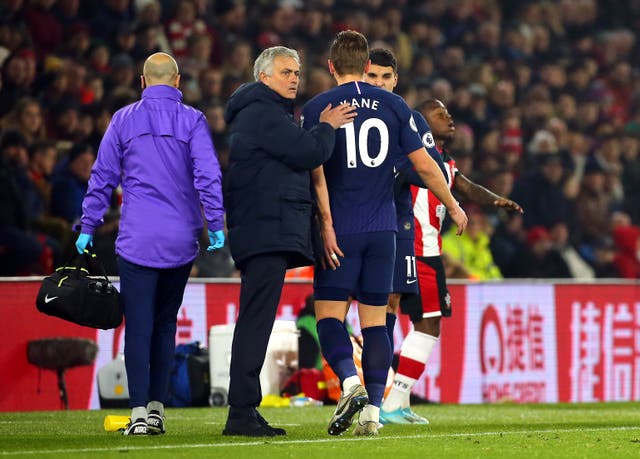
{"type": "Point", "coordinates": [137, 427]}
{"type": "Point", "coordinates": [155, 423]}
{"type": "Point", "coordinates": [247, 428]}
{"type": "Point", "coordinates": [263, 422]}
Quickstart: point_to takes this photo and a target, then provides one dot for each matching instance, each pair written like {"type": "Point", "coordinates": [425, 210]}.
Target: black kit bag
{"type": "Point", "coordinates": [74, 293]}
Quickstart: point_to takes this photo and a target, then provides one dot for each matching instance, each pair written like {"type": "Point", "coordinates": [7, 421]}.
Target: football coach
{"type": "Point", "coordinates": [268, 201]}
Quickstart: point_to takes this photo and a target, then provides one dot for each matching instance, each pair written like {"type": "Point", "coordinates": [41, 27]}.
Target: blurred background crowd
{"type": "Point", "coordinates": [545, 96]}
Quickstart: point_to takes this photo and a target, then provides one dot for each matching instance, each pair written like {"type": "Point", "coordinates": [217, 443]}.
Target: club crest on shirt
{"type": "Point", "coordinates": [407, 226]}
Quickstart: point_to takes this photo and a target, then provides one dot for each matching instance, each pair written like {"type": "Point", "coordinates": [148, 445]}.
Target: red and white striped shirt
{"type": "Point", "coordinates": [429, 213]}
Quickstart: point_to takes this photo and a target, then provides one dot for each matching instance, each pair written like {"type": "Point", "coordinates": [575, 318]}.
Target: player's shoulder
{"type": "Point", "coordinates": [389, 97]}
{"type": "Point", "coordinates": [421, 122]}
{"type": "Point", "coordinates": [419, 117]}
{"type": "Point", "coordinates": [320, 100]}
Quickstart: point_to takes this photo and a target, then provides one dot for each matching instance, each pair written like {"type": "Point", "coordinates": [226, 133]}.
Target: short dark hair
{"type": "Point", "coordinates": [40, 147]}
{"type": "Point", "coordinates": [383, 58]}
{"type": "Point", "coordinates": [349, 52]}
{"type": "Point", "coordinates": [428, 106]}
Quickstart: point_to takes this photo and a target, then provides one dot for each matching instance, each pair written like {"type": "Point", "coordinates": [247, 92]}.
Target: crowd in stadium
{"type": "Point", "coordinates": [545, 96]}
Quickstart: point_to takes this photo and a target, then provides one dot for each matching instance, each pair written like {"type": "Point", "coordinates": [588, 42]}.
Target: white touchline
{"type": "Point", "coordinates": [121, 447]}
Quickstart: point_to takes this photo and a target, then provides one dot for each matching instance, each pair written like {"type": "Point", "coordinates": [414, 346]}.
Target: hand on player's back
{"type": "Point", "coordinates": [338, 116]}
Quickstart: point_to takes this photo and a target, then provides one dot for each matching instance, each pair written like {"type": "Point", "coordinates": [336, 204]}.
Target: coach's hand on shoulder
{"type": "Point", "coordinates": [216, 240]}
{"type": "Point", "coordinates": [83, 241]}
{"type": "Point", "coordinates": [459, 217]}
{"type": "Point", "coordinates": [338, 116]}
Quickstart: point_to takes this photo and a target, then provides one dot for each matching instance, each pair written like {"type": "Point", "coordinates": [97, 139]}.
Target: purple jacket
{"type": "Point", "coordinates": [161, 152]}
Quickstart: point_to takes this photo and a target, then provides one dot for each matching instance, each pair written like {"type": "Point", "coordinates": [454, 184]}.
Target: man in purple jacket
{"type": "Point", "coordinates": [161, 153]}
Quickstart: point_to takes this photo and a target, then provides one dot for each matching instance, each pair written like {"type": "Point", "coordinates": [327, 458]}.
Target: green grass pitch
{"type": "Point", "coordinates": [586, 430]}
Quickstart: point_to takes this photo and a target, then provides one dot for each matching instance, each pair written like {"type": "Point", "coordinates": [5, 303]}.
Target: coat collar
{"type": "Point", "coordinates": [162, 91]}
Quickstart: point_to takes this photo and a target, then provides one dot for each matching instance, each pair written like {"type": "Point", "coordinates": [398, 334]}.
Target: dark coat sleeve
{"type": "Point", "coordinates": [296, 147]}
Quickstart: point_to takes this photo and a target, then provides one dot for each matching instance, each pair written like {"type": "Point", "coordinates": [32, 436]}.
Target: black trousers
{"type": "Point", "coordinates": [262, 279]}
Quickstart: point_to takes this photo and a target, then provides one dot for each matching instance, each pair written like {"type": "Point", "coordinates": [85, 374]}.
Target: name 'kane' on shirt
{"type": "Point", "coordinates": [359, 173]}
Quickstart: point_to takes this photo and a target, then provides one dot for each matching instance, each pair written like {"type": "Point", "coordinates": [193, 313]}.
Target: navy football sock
{"type": "Point", "coordinates": [391, 324]}
{"type": "Point", "coordinates": [336, 347]}
{"type": "Point", "coordinates": [376, 359]}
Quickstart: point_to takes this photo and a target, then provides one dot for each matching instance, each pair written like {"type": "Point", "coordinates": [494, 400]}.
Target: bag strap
{"type": "Point", "coordinates": [76, 265]}
{"type": "Point", "coordinates": [91, 260]}
{"type": "Point", "coordinates": [84, 264]}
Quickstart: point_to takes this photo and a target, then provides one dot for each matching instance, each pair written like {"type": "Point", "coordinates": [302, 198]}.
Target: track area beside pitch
{"type": "Point", "coordinates": [456, 431]}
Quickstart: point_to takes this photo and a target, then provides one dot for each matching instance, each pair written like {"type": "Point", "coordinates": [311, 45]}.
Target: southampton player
{"type": "Point", "coordinates": [383, 73]}
{"type": "Point", "coordinates": [434, 298]}
{"type": "Point", "coordinates": [355, 200]}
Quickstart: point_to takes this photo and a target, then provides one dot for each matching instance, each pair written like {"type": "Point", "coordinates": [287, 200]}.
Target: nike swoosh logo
{"type": "Point", "coordinates": [411, 281]}
{"type": "Point", "coordinates": [49, 300]}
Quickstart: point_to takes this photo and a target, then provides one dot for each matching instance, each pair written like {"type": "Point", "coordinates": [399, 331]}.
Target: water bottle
{"type": "Point", "coordinates": [113, 423]}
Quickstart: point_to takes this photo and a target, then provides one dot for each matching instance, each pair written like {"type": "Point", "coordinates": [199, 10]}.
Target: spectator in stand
{"type": "Point", "coordinates": [508, 242]}
{"type": "Point", "coordinates": [603, 259]}
{"type": "Point", "coordinates": [42, 159]}
{"type": "Point", "coordinates": [184, 23]}
{"type": "Point", "coordinates": [22, 251]}
{"type": "Point", "coordinates": [149, 12]}
{"type": "Point", "coordinates": [593, 204]}
{"type": "Point", "coordinates": [539, 258]}
{"type": "Point", "coordinates": [147, 41]}
{"type": "Point", "coordinates": [70, 184]}
{"type": "Point", "coordinates": [16, 82]}
{"type": "Point", "coordinates": [238, 60]}
{"type": "Point", "coordinates": [196, 59]}
{"type": "Point", "coordinates": [64, 119]}
{"type": "Point", "coordinates": [577, 265]}
{"type": "Point", "coordinates": [630, 177]}
{"type": "Point", "coordinates": [108, 16]}
{"type": "Point", "coordinates": [230, 25]}
{"type": "Point", "coordinates": [567, 68]}
{"type": "Point", "coordinates": [210, 86]}
{"type": "Point", "coordinates": [122, 74]}
{"type": "Point", "coordinates": [44, 27]}
{"type": "Point", "coordinates": [26, 117]}
{"type": "Point", "coordinates": [541, 192]}
{"type": "Point", "coordinates": [471, 249]}
{"type": "Point", "coordinates": [627, 258]}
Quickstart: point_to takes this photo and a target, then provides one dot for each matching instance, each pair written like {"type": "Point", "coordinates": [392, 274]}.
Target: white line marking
{"type": "Point", "coordinates": [264, 441]}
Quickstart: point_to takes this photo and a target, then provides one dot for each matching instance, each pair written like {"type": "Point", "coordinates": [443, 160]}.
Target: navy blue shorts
{"type": "Point", "coordinates": [365, 272]}
{"type": "Point", "coordinates": [405, 279]}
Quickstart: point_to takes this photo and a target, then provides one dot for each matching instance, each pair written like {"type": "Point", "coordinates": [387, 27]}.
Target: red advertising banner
{"type": "Point", "coordinates": [524, 342]}
{"type": "Point", "coordinates": [25, 386]}
{"type": "Point", "coordinates": [510, 344]}
{"type": "Point", "coordinates": [598, 330]}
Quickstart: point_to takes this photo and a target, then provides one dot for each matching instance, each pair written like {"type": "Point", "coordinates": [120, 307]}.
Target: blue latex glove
{"type": "Point", "coordinates": [83, 241]}
{"type": "Point", "coordinates": [216, 240]}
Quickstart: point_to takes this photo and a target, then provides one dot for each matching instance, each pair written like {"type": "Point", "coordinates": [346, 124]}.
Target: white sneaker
{"type": "Point", "coordinates": [368, 429]}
